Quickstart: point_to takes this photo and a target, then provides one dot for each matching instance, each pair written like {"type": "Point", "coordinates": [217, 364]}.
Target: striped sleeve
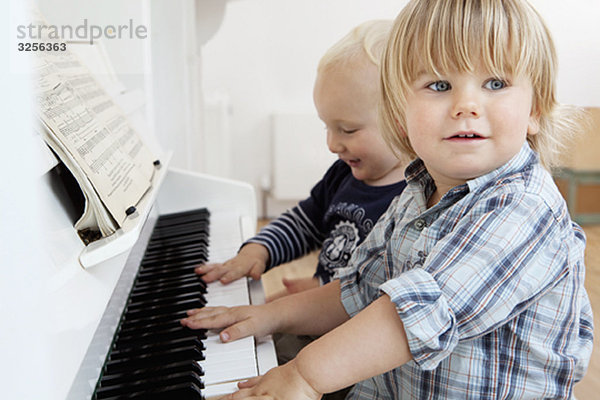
{"type": "Point", "coordinates": [290, 236]}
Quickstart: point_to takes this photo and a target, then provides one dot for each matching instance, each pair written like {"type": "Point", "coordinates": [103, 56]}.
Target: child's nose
{"type": "Point", "coordinates": [334, 143]}
{"type": "Point", "coordinates": [466, 105]}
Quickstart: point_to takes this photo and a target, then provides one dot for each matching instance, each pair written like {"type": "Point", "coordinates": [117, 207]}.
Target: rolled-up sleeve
{"type": "Point", "coordinates": [428, 320]}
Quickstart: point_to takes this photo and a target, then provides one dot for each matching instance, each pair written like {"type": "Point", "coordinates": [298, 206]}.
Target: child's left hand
{"type": "Point", "coordinates": [280, 383]}
{"type": "Point", "coordinates": [295, 286]}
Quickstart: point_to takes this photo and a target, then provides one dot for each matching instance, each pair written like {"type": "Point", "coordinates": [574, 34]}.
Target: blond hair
{"type": "Point", "coordinates": [368, 38]}
{"type": "Point", "coordinates": [507, 37]}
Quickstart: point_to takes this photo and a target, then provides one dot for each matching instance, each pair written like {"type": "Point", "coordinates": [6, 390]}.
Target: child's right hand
{"type": "Point", "coordinates": [284, 382]}
{"type": "Point", "coordinates": [295, 286]}
{"type": "Point", "coordinates": [238, 322]}
{"type": "Point", "coordinates": [250, 261]}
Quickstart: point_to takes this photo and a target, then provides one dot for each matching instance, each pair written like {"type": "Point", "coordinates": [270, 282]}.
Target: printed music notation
{"type": "Point", "coordinates": [92, 137]}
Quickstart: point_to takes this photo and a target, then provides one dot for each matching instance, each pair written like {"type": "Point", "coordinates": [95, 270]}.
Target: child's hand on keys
{"type": "Point", "coordinates": [250, 261]}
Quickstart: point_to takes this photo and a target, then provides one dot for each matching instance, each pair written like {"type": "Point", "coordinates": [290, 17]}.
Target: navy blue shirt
{"type": "Point", "coordinates": [338, 215]}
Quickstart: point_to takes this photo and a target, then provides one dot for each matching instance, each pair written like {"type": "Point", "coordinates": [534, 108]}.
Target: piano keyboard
{"type": "Point", "coordinates": [152, 355]}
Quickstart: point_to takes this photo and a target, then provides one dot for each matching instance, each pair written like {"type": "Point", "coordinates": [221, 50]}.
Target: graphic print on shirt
{"type": "Point", "coordinates": [345, 236]}
{"type": "Point", "coordinates": [338, 247]}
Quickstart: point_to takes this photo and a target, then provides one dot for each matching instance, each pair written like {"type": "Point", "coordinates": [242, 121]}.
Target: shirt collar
{"type": "Point", "coordinates": [418, 178]}
{"type": "Point", "coordinates": [523, 160]}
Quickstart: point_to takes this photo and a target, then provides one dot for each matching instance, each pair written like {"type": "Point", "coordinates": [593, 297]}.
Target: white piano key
{"type": "Point", "coordinates": [233, 372]}
{"type": "Point", "coordinates": [226, 364]}
{"type": "Point", "coordinates": [266, 357]}
{"type": "Point", "coordinates": [233, 294]}
{"type": "Point", "coordinates": [215, 346]}
{"type": "Point", "coordinates": [228, 361]}
{"type": "Point", "coordinates": [218, 390]}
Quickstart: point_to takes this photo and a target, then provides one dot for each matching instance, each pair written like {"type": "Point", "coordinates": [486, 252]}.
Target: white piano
{"type": "Point", "coordinates": [78, 300]}
{"type": "Point", "coordinates": [106, 287]}
{"type": "Point", "coordinates": [59, 318]}
{"type": "Point", "coordinates": [61, 302]}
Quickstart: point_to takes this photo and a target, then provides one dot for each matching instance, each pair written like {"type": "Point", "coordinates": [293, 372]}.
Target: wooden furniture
{"type": "Point", "coordinates": [578, 178]}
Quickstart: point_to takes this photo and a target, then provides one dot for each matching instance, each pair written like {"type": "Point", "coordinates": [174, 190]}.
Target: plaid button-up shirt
{"type": "Point", "coordinates": [488, 284]}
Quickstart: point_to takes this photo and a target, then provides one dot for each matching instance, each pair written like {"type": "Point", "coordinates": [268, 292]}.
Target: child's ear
{"type": "Point", "coordinates": [533, 127]}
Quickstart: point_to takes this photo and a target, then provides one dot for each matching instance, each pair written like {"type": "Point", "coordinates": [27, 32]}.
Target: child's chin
{"type": "Point", "coordinates": [357, 174]}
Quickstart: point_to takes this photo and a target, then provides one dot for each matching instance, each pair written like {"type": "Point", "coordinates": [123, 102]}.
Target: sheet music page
{"type": "Point", "coordinates": [88, 125]}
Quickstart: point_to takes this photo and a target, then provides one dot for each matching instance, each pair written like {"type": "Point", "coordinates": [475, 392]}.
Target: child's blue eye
{"type": "Point", "coordinates": [440, 86]}
{"type": "Point", "coordinates": [495, 84]}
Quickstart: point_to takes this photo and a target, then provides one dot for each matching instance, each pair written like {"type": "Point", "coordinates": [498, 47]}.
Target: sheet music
{"type": "Point", "coordinates": [92, 129]}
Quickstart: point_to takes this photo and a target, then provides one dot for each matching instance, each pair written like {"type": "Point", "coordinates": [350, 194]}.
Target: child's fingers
{"type": "Point", "coordinates": [204, 268]}
{"type": "Point", "coordinates": [249, 383]}
{"type": "Point", "coordinates": [247, 394]}
{"type": "Point", "coordinates": [233, 274]}
{"type": "Point", "coordinates": [256, 271]}
{"type": "Point", "coordinates": [209, 318]}
{"type": "Point", "coordinates": [210, 272]}
{"type": "Point", "coordinates": [239, 330]}
{"type": "Point", "coordinates": [207, 311]}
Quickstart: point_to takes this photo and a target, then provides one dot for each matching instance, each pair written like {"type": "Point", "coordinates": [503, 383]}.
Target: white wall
{"type": "Point", "coordinates": [265, 54]}
{"type": "Point", "coordinates": [262, 59]}
{"type": "Point", "coordinates": [574, 26]}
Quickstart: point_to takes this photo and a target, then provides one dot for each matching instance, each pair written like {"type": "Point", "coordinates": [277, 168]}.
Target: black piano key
{"type": "Point", "coordinates": [174, 242]}
{"type": "Point", "coordinates": [154, 318]}
{"type": "Point", "coordinates": [157, 245]}
{"type": "Point", "coordinates": [169, 292]}
{"type": "Point", "coordinates": [166, 352]}
{"type": "Point", "coordinates": [183, 303]}
{"type": "Point", "coordinates": [132, 328]}
{"type": "Point", "coordinates": [180, 267]}
{"type": "Point", "coordinates": [152, 360]}
{"type": "Point", "coordinates": [167, 220]}
{"type": "Point", "coordinates": [122, 351]}
{"type": "Point", "coordinates": [158, 316]}
{"type": "Point", "coordinates": [155, 384]}
{"type": "Point", "coordinates": [142, 325]}
{"type": "Point", "coordinates": [174, 332]}
{"type": "Point", "coordinates": [198, 257]}
{"type": "Point", "coordinates": [166, 273]}
{"type": "Point", "coordinates": [166, 302]}
{"type": "Point", "coordinates": [142, 287]}
{"type": "Point", "coordinates": [185, 391]}
{"type": "Point", "coordinates": [159, 335]}
{"type": "Point", "coordinates": [165, 225]}
{"type": "Point", "coordinates": [179, 217]}
{"type": "Point", "coordinates": [149, 372]}
{"type": "Point", "coordinates": [173, 256]}
{"type": "Point", "coordinates": [153, 356]}
{"type": "Point", "coordinates": [180, 230]}
{"type": "Point", "coordinates": [175, 249]}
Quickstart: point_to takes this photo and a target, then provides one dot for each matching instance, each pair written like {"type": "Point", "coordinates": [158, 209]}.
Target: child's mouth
{"type": "Point", "coordinates": [466, 136]}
